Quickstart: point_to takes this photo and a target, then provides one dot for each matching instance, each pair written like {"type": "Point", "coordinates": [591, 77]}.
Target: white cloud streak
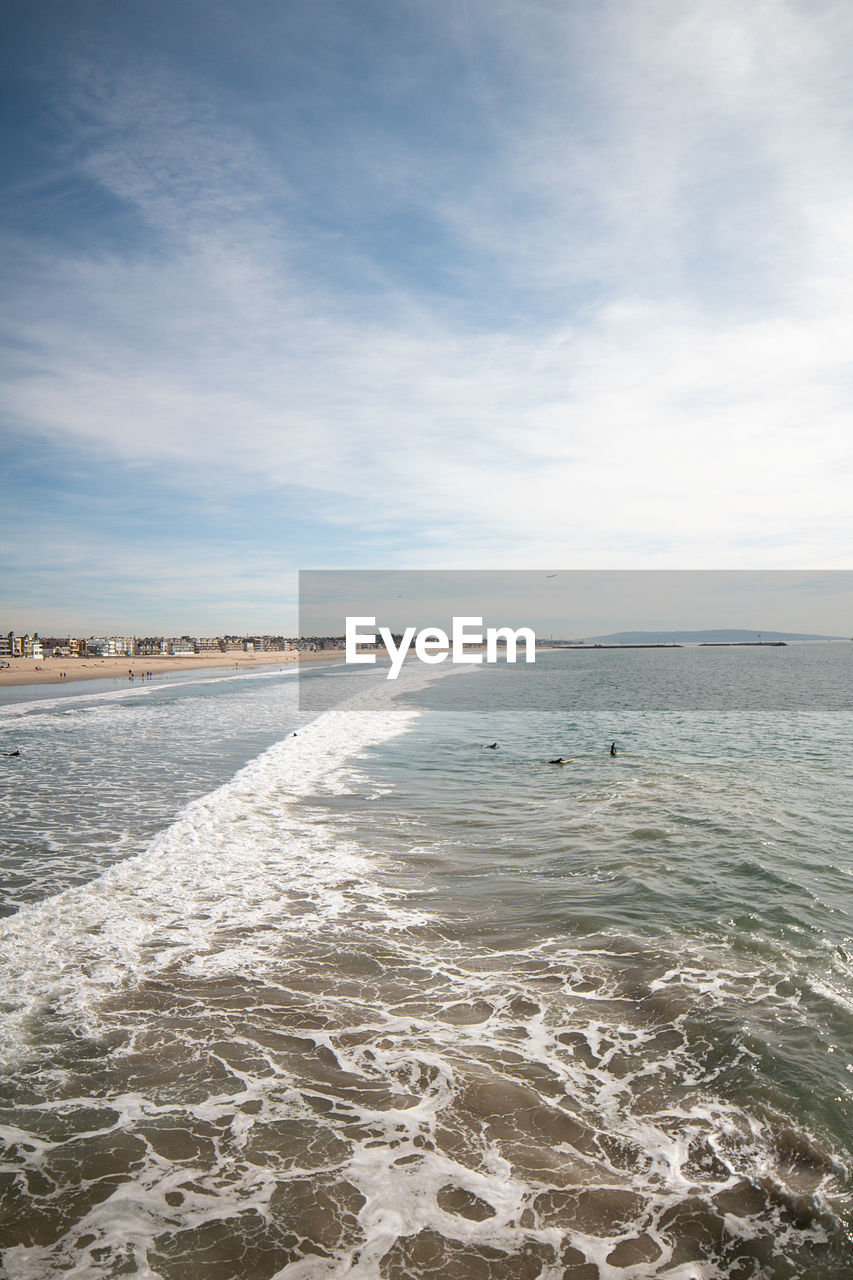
{"type": "Point", "coordinates": [668, 220]}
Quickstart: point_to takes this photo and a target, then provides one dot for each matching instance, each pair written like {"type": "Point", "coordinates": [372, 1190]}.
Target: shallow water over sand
{"type": "Point", "coordinates": [387, 1004]}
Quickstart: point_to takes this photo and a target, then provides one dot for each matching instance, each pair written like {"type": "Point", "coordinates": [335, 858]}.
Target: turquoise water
{"type": "Point", "coordinates": [374, 1000]}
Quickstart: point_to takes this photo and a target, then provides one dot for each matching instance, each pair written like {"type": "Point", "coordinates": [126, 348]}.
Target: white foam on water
{"type": "Point", "coordinates": [230, 865]}
{"type": "Point", "coordinates": [546, 1142]}
{"type": "Point", "coordinates": [355, 1062]}
{"type": "Point", "coordinates": [132, 689]}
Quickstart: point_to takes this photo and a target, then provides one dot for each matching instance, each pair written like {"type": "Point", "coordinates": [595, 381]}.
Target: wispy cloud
{"type": "Point", "coordinates": [604, 324]}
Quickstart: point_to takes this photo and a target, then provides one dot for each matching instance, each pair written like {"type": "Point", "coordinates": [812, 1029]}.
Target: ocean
{"type": "Point", "coordinates": [342, 991]}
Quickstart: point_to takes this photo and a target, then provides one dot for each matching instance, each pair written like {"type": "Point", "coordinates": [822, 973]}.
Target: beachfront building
{"type": "Point", "coordinates": [270, 644]}
{"type": "Point", "coordinates": [149, 646]}
{"type": "Point", "coordinates": [178, 647]}
{"type": "Point", "coordinates": [12, 646]}
{"type": "Point", "coordinates": [117, 647]}
{"type": "Point", "coordinates": [27, 647]}
{"type": "Point", "coordinates": [62, 646]}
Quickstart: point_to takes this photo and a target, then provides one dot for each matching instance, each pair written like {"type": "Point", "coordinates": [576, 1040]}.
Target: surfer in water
{"type": "Point", "coordinates": [613, 748]}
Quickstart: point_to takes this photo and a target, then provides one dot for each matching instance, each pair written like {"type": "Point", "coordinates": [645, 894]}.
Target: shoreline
{"type": "Point", "coordinates": [65, 671]}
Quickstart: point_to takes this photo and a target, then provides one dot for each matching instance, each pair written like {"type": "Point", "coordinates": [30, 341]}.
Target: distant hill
{"type": "Point", "coordinates": [699, 637]}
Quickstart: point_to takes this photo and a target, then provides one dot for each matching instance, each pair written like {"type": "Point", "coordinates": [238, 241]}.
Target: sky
{"type": "Point", "coordinates": [484, 284]}
{"type": "Point", "coordinates": [580, 603]}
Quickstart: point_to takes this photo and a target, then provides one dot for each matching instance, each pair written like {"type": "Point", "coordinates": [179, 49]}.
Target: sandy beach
{"type": "Point", "coordinates": [66, 670]}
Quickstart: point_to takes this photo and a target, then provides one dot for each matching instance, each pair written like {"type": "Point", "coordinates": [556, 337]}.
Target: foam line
{"type": "Point", "coordinates": [132, 689]}
{"type": "Point", "coordinates": [220, 875]}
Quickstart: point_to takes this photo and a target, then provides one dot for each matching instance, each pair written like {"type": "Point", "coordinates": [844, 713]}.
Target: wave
{"type": "Point", "coordinates": [131, 690]}
{"type": "Point", "coordinates": [242, 858]}
{"type": "Point", "coordinates": [259, 1048]}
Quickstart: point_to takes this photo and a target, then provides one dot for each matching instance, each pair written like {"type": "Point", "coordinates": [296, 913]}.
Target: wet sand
{"type": "Point", "coordinates": [66, 670]}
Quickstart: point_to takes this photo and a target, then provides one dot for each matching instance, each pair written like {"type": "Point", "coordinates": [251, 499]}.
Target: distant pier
{"type": "Point", "coordinates": [731, 644]}
{"type": "Point", "coordinates": [556, 645]}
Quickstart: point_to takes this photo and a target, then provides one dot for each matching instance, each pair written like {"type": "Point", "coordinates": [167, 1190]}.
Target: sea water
{"type": "Point", "coordinates": [348, 992]}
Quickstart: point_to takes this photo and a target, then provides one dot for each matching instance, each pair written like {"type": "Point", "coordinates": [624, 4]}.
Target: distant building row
{"type": "Point", "coordinates": [12, 646]}
{"type": "Point", "coordinates": [34, 646]}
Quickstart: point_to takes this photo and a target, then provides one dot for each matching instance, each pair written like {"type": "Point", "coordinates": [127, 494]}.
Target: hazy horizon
{"type": "Point", "coordinates": [561, 603]}
{"type": "Point", "coordinates": [261, 632]}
